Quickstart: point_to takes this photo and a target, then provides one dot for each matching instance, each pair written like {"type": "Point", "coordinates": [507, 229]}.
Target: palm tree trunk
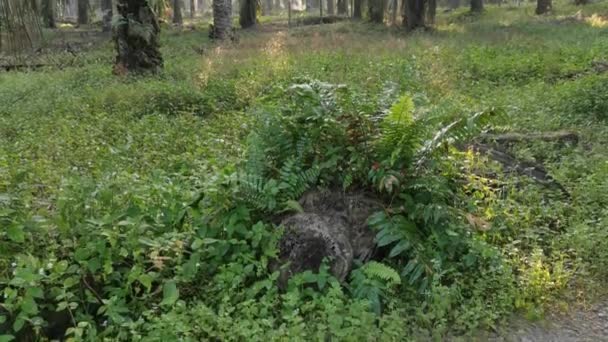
{"type": "Point", "coordinates": [431, 11]}
{"type": "Point", "coordinates": [543, 6]}
{"type": "Point", "coordinates": [342, 7]}
{"type": "Point", "coordinates": [48, 13]}
{"type": "Point", "coordinates": [247, 14]}
{"type": "Point", "coordinates": [376, 11]}
{"type": "Point", "coordinates": [222, 19]}
{"type": "Point", "coordinates": [106, 9]}
{"type": "Point", "coordinates": [83, 12]}
{"type": "Point", "coordinates": [331, 10]}
{"type": "Point", "coordinates": [476, 6]}
{"type": "Point", "coordinates": [414, 14]}
{"type": "Point", "coordinates": [137, 53]}
{"type": "Point", "coordinates": [357, 9]}
{"type": "Point", "coordinates": [177, 12]}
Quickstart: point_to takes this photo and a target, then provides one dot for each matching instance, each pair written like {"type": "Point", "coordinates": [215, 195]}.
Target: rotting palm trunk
{"type": "Point", "coordinates": [342, 7]}
{"type": "Point", "coordinates": [107, 13]}
{"type": "Point", "coordinates": [414, 14]}
{"type": "Point", "coordinates": [357, 4]}
{"type": "Point", "coordinates": [247, 14]}
{"type": "Point", "coordinates": [177, 12]}
{"type": "Point", "coordinates": [136, 36]}
{"type": "Point", "coordinates": [543, 6]}
{"type": "Point", "coordinates": [376, 11]}
{"type": "Point", "coordinates": [476, 6]}
{"type": "Point", "coordinates": [83, 12]}
{"type": "Point", "coordinates": [222, 19]}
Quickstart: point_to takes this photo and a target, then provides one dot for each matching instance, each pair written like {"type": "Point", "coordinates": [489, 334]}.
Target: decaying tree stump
{"type": "Point", "coordinates": [136, 36]}
{"type": "Point", "coordinates": [333, 226]}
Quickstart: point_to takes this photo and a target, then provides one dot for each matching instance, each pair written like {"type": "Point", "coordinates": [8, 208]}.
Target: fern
{"type": "Point", "coordinates": [266, 194]}
{"type": "Point", "coordinates": [374, 269]}
{"type": "Point", "coordinates": [400, 134]}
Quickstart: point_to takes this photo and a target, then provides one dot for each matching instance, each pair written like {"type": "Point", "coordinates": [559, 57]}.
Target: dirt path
{"type": "Point", "coordinates": [578, 325]}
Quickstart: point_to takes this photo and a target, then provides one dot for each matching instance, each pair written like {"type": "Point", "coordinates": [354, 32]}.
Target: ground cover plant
{"type": "Point", "coordinates": [148, 207]}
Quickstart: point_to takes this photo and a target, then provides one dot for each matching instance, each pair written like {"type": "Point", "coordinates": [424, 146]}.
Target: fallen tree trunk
{"type": "Point", "coordinates": [559, 136]}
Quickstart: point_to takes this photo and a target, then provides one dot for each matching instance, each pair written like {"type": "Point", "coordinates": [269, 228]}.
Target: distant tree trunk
{"type": "Point", "coordinates": [192, 8]}
{"type": "Point", "coordinates": [48, 12]}
{"type": "Point", "coordinates": [431, 11]}
{"type": "Point", "coordinates": [342, 7]}
{"type": "Point", "coordinates": [454, 4]}
{"type": "Point", "coordinates": [177, 12]}
{"type": "Point", "coordinates": [247, 13]}
{"type": "Point", "coordinates": [394, 4]}
{"type": "Point", "coordinates": [414, 14]}
{"type": "Point", "coordinates": [201, 6]}
{"type": "Point", "coordinates": [222, 19]}
{"type": "Point", "coordinates": [543, 6]}
{"type": "Point", "coordinates": [357, 9]}
{"type": "Point", "coordinates": [376, 11]}
{"type": "Point", "coordinates": [107, 12]}
{"type": "Point", "coordinates": [136, 52]}
{"type": "Point", "coordinates": [331, 10]}
{"type": "Point", "coordinates": [476, 6]}
{"type": "Point", "coordinates": [581, 2]}
{"type": "Point", "coordinates": [267, 7]}
{"type": "Point", "coordinates": [83, 12]}
{"type": "Point", "coordinates": [309, 5]}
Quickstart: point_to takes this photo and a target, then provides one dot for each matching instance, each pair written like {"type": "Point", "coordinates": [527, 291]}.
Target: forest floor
{"type": "Point", "coordinates": [96, 172]}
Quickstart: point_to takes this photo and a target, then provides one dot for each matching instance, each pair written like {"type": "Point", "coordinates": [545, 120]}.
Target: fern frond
{"type": "Point", "coordinates": [374, 269]}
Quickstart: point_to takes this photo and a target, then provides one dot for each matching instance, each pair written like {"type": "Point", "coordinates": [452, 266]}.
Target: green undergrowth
{"type": "Point", "coordinates": [146, 208]}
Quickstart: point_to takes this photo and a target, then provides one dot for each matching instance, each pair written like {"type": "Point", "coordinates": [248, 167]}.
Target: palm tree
{"type": "Point", "coordinates": [83, 12]}
{"type": "Point", "coordinates": [247, 14]}
{"type": "Point", "coordinates": [376, 11]}
{"type": "Point", "coordinates": [106, 9]}
{"type": "Point", "coordinates": [137, 50]}
{"type": "Point", "coordinates": [177, 12]}
{"type": "Point", "coordinates": [20, 29]}
{"type": "Point", "coordinates": [543, 6]}
{"type": "Point", "coordinates": [476, 6]}
{"type": "Point", "coordinates": [222, 19]}
{"type": "Point", "coordinates": [415, 11]}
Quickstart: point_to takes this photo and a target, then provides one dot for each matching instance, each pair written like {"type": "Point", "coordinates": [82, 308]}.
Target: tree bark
{"type": "Point", "coordinates": [454, 4]}
{"type": "Point", "coordinates": [222, 19]}
{"type": "Point", "coordinates": [106, 9]}
{"type": "Point", "coordinates": [267, 8]}
{"type": "Point", "coordinates": [342, 7]}
{"type": "Point", "coordinates": [331, 10]}
{"type": "Point", "coordinates": [192, 8]}
{"type": "Point", "coordinates": [376, 11]}
{"type": "Point", "coordinates": [357, 9]}
{"type": "Point", "coordinates": [138, 50]}
{"type": "Point", "coordinates": [83, 12]}
{"type": "Point", "coordinates": [414, 14]}
{"type": "Point", "coordinates": [177, 12]}
{"type": "Point", "coordinates": [476, 6]}
{"type": "Point", "coordinates": [543, 6]}
{"type": "Point", "coordinates": [431, 11]}
{"type": "Point", "coordinates": [48, 12]}
{"type": "Point", "coordinates": [247, 14]}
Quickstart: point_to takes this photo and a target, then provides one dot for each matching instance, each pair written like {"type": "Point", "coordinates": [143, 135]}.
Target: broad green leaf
{"type": "Point", "coordinates": [6, 338]}
{"type": "Point", "coordinates": [170, 293]}
{"type": "Point", "coordinates": [15, 233]}
{"type": "Point", "coordinates": [401, 247]}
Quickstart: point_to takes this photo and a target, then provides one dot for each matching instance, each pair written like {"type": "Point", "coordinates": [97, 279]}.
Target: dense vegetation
{"type": "Point", "coordinates": [145, 207]}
